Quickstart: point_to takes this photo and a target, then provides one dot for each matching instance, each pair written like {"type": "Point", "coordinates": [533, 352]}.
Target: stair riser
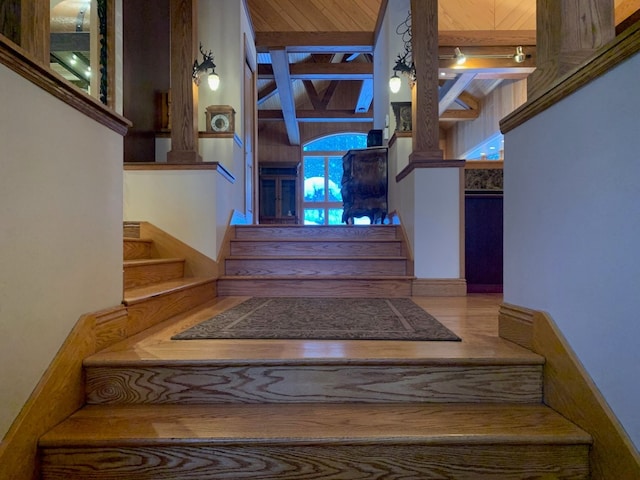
{"type": "Point", "coordinates": [136, 249]}
{"type": "Point", "coordinates": [347, 288]}
{"type": "Point", "coordinates": [326, 462]}
{"type": "Point", "coordinates": [139, 275]}
{"type": "Point", "coordinates": [306, 384]}
{"type": "Point", "coordinates": [382, 232]}
{"type": "Point", "coordinates": [283, 266]}
{"type": "Point", "coordinates": [279, 248]}
{"type": "Point", "coordinates": [150, 312]}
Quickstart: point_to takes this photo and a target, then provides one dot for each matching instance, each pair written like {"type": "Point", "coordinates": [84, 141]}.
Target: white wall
{"type": "Point", "coordinates": [60, 234]}
{"type": "Point", "coordinates": [187, 204]}
{"type": "Point", "coordinates": [572, 224]}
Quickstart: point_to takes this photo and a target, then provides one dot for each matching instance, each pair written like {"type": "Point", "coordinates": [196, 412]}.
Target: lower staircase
{"type": "Point", "coordinates": [282, 409]}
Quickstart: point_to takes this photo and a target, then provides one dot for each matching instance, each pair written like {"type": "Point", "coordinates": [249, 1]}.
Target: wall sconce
{"type": "Point", "coordinates": [200, 70]}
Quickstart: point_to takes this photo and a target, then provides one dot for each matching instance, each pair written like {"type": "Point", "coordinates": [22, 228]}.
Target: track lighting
{"type": "Point", "coordinates": [459, 56]}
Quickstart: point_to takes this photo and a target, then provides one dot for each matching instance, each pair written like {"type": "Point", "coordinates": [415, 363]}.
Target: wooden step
{"type": "Point", "coordinates": [154, 303]}
{"type": "Point", "coordinates": [328, 247]}
{"type": "Point", "coordinates": [379, 381]}
{"type": "Point", "coordinates": [315, 286]}
{"type": "Point", "coordinates": [151, 270]}
{"type": "Point", "coordinates": [291, 232]}
{"type": "Point", "coordinates": [137, 248]}
{"type": "Point", "coordinates": [355, 266]}
{"type": "Point", "coordinates": [313, 441]}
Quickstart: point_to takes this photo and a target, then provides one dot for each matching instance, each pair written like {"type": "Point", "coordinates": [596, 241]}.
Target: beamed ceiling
{"type": "Point", "coordinates": [315, 57]}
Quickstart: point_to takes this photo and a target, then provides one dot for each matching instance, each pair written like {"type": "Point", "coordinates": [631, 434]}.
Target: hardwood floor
{"type": "Point", "coordinates": [474, 318]}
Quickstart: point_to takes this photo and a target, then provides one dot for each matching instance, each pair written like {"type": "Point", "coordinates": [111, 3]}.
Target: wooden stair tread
{"type": "Point", "coordinates": [136, 239]}
{"type": "Point", "coordinates": [316, 277]}
{"type": "Point", "coordinates": [359, 258]}
{"type": "Point", "coordinates": [427, 424]}
{"type": "Point", "coordinates": [139, 294]}
{"type": "Point", "coordinates": [315, 240]}
{"type": "Point", "coordinates": [151, 261]}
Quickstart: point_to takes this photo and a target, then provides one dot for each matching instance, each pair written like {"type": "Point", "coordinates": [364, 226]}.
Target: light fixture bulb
{"type": "Point", "coordinates": [214, 81]}
{"type": "Point", "coordinates": [519, 56]}
{"type": "Point", "coordinates": [459, 56]}
{"type": "Point", "coordinates": [395, 83]}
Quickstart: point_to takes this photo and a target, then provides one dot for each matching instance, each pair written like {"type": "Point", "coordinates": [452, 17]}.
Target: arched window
{"type": "Point", "coordinates": [322, 175]}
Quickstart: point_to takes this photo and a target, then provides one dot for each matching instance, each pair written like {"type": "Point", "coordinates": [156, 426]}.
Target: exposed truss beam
{"type": "Point", "coordinates": [321, 71]}
{"type": "Point", "coordinates": [486, 38]}
{"type": "Point", "coordinates": [450, 91]}
{"type": "Point", "coordinates": [280, 64]}
{"type": "Point", "coordinates": [316, 42]}
{"type": "Point", "coordinates": [267, 92]}
{"type": "Point", "coordinates": [318, 116]}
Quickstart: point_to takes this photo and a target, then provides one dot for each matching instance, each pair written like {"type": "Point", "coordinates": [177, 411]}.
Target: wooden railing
{"type": "Point", "coordinates": [20, 61]}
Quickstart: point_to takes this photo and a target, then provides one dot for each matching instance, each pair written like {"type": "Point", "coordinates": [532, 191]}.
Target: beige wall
{"type": "Point", "coordinates": [61, 233]}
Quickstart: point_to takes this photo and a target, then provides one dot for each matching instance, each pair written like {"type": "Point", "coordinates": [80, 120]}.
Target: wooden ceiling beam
{"type": "Point", "coordinates": [459, 115]}
{"type": "Point", "coordinates": [316, 42]}
{"type": "Point", "coordinates": [486, 38]}
{"type": "Point", "coordinates": [321, 71]}
{"type": "Point", "coordinates": [267, 92]}
{"type": "Point", "coordinates": [318, 116]}
{"type": "Point", "coordinates": [452, 89]}
{"type": "Point", "coordinates": [280, 62]}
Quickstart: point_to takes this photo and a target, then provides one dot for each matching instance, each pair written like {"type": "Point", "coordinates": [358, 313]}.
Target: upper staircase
{"type": "Point", "coordinates": [317, 261]}
{"type": "Point", "coordinates": [283, 409]}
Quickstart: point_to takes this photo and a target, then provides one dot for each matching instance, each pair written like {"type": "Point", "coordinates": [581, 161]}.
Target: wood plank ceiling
{"type": "Point", "coordinates": [308, 50]}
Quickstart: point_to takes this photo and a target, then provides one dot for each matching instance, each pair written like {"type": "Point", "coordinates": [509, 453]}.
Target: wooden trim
{"type": "Point", "coordinates": [151, 166]}
{"type": "Point", "coordinates": [484, 165]}
{"type": "Point", "coordinates": [110, 326]}
{"type": "Point", "coordinates": [167, 246]}
{"type": "Point", "coordinates": [606, 58]}
{"type": "Point", "coordinates": [439, 287]}
{"type": "Point", "coordinates": [569, 390]}
{"type": "Point", "coordinates": [516, 324]}
{"type": "Point", "coordinates": [58, 394]}
{"type": "Point", "coordinates": [429, 164]}
{"type": "Point", "coordinates": [18, 60]}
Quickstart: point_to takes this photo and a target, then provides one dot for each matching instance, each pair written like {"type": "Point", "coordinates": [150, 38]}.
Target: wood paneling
{"type": "Point", "coordinates": [314, 15]}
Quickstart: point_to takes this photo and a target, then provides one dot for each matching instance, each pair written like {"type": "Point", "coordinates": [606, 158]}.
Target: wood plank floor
{"type": "Point", "coordinates": [474, 318]}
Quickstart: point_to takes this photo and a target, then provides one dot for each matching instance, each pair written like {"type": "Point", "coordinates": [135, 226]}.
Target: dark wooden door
{"type": "Point", "coordinates": [483, 242]}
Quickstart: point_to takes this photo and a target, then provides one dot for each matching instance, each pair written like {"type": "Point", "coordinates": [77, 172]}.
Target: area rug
{"type": "Point", "coordinates": [322, 319]}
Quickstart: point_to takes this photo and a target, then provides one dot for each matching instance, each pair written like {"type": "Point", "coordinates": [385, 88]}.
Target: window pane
{"type": "Point", "coordinates": [314, 216]}
{"type": "Point", "coordinates": [335, 179]}
{"type": "Point", "coordinates": [314, 179]}
{"type": "Point", "coordinates": [335, 216]}
{"type": "Point", "coordinates": [337, 143]}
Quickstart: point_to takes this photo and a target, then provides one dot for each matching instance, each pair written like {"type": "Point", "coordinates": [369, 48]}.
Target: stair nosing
{"type": "Point", "coordinates": [151, 261]}
{"type": "Point", "coordinates": [177, 285]}
{"type": "Point", "coordinates": [307, 424]}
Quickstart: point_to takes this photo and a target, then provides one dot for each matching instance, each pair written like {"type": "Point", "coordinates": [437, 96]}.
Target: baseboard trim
{"type": "Point", "coordinates": [58, 394]}
{"type": "Point", "coordinates": [516, 324]}
{"type": "Point", "coordinates": [569, 390]}
{"type": "Point", "coordinates": [439, 287]}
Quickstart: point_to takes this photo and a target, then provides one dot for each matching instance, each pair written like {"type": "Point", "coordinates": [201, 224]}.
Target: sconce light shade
{"type": "Point", "coordinates": [202, 69]}
{"type": "Point", "coordinates": [395, 83]}
{"type": "Point", "coordinates": [214, 81]}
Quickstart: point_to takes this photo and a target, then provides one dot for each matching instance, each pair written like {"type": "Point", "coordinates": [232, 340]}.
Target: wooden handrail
{"type": "Point", "coordinates": [17, 59]}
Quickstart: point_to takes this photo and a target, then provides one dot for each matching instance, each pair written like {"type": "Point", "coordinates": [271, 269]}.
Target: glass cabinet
{"type": "Point", "coordinates": [278, 194]}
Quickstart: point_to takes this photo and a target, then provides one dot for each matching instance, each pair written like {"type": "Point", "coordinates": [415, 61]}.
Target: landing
{"type": "Point", "coordinates": [474, 318]}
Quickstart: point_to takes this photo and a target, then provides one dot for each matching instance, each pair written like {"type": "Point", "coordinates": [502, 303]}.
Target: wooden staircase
{"type": "Point", "coordinates": [156, 288]}
{"type": "Point", "coordinates": [276, 409]}
{"type": "Point", "coordinates": [320, 261]}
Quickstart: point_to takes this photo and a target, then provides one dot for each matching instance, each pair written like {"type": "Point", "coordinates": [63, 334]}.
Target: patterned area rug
{"type": "Point", "coordinates": [323, 319]}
